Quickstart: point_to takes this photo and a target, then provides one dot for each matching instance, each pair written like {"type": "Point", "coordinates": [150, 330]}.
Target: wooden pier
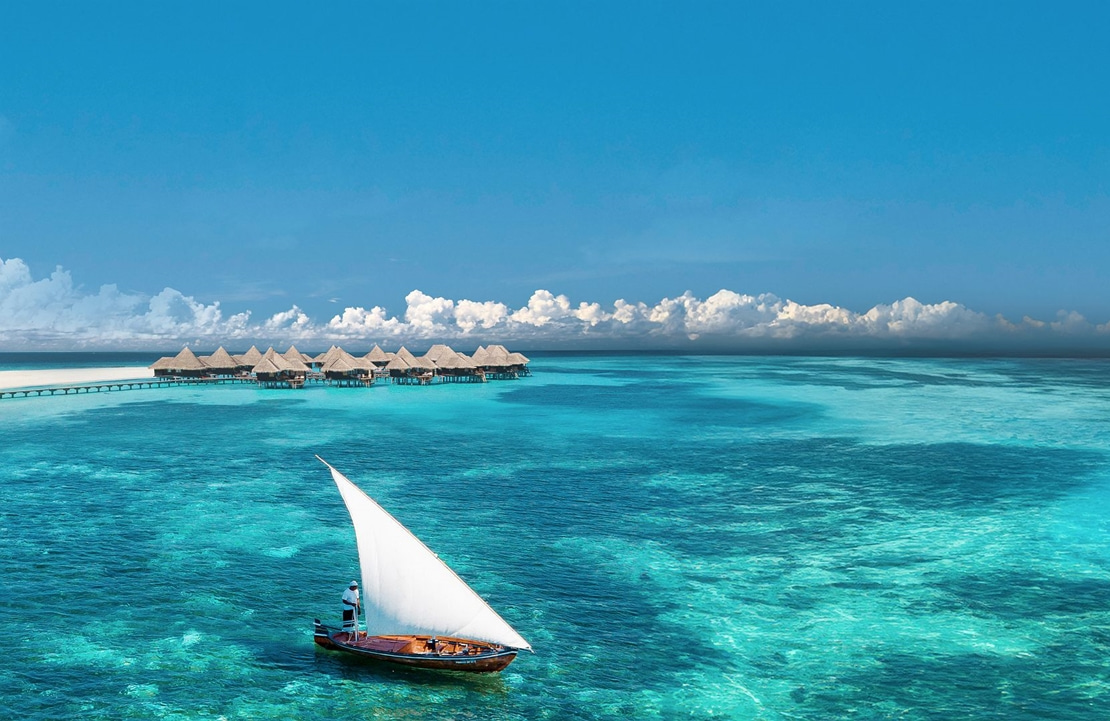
{"type": "Point", "coordinates": [424, 379]}
{"type": "Point", "coordinates": [476, 377]}
{"type": "Point", "coordinates": [427, 379]}
{"type": "Point", "coordinates": [349, 382]}
{"type": "Point", "coordinates": [280, 382]}
{"type": "Point", "coordinates": [117, 386]}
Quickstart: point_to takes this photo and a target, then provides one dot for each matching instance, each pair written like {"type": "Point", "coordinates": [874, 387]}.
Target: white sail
{"type": "Point", "coordinates": [406, 589]}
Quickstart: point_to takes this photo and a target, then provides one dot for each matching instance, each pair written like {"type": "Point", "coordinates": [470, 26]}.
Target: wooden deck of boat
{"type": "Point", "coordinates": [415, 645]}
{"type": "Point", "coordinates": [447, 653]}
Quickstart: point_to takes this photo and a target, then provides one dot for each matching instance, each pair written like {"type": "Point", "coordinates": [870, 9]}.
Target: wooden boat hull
{"type": "Point", "coordinates": [448, 654]}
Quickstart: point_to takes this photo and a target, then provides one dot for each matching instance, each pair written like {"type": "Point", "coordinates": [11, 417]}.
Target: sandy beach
{"type": "Point", "coordinates": [70, 376]}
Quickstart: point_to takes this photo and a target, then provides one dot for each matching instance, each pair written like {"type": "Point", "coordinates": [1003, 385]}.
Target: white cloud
{"type": "Point", "coordinates": [910, 318]}
{"type": "Point", "coordinates": [543, 308]}
{"type": "Point", "coordinates": [1072, 323]}
{"type": "Point", "coordinates": [470, 315]}
{"type": "Point", "coordinates": [429, 317]}
{"type": "Point", "coordinates": [171, 312]}
{"type": "Point", "coordinates": [53, 307]}
{"type": "Point", "coordinates": [52, 312]}
{"type": "Point", "coordinates": [591, 313]}
{"type": "Point", "coordinates": [355, 322]}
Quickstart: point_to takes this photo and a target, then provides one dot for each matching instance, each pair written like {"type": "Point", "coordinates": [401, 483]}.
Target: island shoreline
{"type": "Point", "coordinates": [54, 377]}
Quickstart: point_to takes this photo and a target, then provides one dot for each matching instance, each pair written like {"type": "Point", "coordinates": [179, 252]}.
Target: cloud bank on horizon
{"type": "Point", "coordinates": [51, 313]}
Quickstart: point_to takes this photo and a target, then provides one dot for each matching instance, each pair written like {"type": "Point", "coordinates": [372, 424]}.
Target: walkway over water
{"type": "Point", "coordinates": [117, 386]}
{"type": "Point", "coordinates": [315, 378]}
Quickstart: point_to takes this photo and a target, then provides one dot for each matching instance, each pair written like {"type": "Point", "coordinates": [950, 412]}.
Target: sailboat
{"type": "Point", "coordinates": [418, 612]}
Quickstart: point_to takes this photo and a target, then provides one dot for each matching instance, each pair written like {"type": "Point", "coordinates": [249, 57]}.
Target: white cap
{"type": "Point", "coordinates": [353, 583]}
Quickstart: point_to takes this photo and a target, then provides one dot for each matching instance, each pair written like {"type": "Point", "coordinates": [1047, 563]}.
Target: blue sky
{"type": "Point", "coordinates": [262, 156]}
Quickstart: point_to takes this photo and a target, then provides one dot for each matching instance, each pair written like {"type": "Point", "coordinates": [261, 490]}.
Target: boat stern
{"type": "Point", "coordinates": [321, 635]}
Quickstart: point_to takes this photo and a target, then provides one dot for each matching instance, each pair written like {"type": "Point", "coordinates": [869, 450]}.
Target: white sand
{"type": "Point", "coordinates": [70, 376]}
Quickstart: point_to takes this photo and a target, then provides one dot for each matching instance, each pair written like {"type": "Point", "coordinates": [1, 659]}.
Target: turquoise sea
{"type": "Point", "coordinates": [678, 537]}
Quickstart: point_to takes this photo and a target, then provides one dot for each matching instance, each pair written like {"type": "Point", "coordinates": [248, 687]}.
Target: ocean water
{"type": "Point", "coordinates": [678, 537]}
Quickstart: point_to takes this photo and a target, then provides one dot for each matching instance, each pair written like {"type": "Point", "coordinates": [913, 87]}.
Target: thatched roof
{"type": "Point", "coordinates": [423, 363]}
{"type": "Point", "coordinates": [348, 364]}
{"type": "Point", "coordinates": [377, 355]}
{"type": "Point", "coordinates": [340, 365]}
{"type": "Point", "coordinates": [295, 355]}
{"type": "Point", "coordinates": [480, 356]}
{"type": "Point", "coordinates": [438, 351]}
{"type": "Point", "coordinates": [295, 364]}
{"type": "Point", "coordinates": [164, 363]}
{"type": "Point", "coordinates": [186, 360]}
{"type": "Point", "coordinates": [267, 366]}
{"type": "Point", "coordinates": [497, 355]}
{"type": "Point", "coordinates": [272, 358]}
{"type": "Point", "coordinates": [364, 363]}
{"type": "Point", "coordinates": [283, 363]}
{"type": "Point", "coordinates": [329, 355]}
{"type": "Point", "coordinates": [455, 361]}
{"type": "Point", "coordinates": [397, 364]}
{"type": "Point", "coordinates": [343, 362]}
{"type": "Point", "coordinates": [518, 359]}
{"type": "Point", "coordinates": [406, 354]}
{"type": "Point", "coordinates": [250, 358]}
{"type": "Point", "coordinates": [221, 360]}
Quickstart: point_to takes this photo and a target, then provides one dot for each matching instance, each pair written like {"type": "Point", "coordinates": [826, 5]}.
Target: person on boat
{"type": "Point", "coordinates": [350, 608]}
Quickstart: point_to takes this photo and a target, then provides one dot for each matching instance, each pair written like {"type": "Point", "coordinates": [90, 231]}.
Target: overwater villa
{"type": "Point", "coordinates": [338, 367]}
{"type": "Point", "coordinates": [499, 363]}
{"type": "Point", "coordinates": [293, 355]}
{"type": "Point", "coordinates": [281, 371]}
{"type": "Point", "coordinates": [183, 365]}
{"type": "Point", "coordinates": [378, 357]}
{"type": "Point", "coordinates": [220, 363]}
{"type": "Point", "coordinates": [246, 362]}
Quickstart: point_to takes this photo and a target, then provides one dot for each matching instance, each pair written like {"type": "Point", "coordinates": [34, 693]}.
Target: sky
{"type": "Point", "coordinates": [675, 175]}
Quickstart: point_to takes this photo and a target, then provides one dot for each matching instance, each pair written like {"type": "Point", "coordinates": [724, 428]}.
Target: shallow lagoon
{"type": "Point", "coordinates": [686, 537]}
